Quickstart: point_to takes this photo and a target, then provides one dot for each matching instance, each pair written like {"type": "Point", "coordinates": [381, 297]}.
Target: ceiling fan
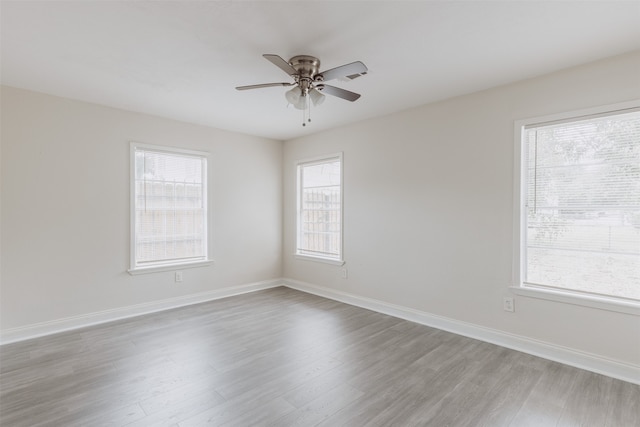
{"type": "Point", "coordinates": [309, 80]}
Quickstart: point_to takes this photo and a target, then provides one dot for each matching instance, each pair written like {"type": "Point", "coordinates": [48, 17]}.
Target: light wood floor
{"type": "Point", "coordinates": [282, 357]}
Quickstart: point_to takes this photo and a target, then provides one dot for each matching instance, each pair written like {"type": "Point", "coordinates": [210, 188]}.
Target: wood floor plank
{"type": "Point", "coordinates": [394, 390]}
{"type": "Point", "coordinates": [443, 397]}
{"type": "Point", "coordinates": [500, 405]}
{"type": "Point", "coordinates": [545, 403]}
{"type": "Point", "coordinates": [92, 416]}
{"type": "Point", "coordinates": [624, 407]}
{"type": "Point", "coordinates": [320, 408]}
{"type": "Point", "coordinates": [282, 357]}
{"type": "Point", "coordinates": [240, 413]}
{"type": "Point", "coordinates": [315, 387]}
{"type": "Point", "coordinates": [179, 410]}
{"type": "Point", "coordinates": [588, 401]}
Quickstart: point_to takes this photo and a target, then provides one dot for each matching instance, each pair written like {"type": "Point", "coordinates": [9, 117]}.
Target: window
{"type": "Point", "coordinates": [580, 205]}
{"type": "Point", "coordinates": [169, 208]}
{"type": "Point", "coordinates": [319, 233]}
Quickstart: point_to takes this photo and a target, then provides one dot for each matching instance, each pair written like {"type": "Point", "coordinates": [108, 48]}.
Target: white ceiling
{"type": "Point", "coordinates": [183, 59]}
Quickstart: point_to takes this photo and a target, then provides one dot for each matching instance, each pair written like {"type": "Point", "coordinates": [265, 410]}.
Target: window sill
{"type": "Point", "coordinates": [170, 267]}
{"type": "Point", "coordinates": [601, 302]}
{"type": "Point", "coordinates": [331, 261]}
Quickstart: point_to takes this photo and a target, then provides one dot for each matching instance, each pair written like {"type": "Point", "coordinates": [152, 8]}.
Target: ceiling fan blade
{"type": "Point", "coordinates": [281, 63]}
{"type": "Point", "coordinates": [351, 71]}
{"type": "Point", "coordinates": [263, 85]}
{"type": "Point", "coordinates": [340, 93]}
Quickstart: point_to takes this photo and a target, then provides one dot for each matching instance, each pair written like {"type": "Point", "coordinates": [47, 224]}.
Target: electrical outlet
{"type": "Point", "coordinates": [343, 273]}
{"type": "Point", "coordinates": [508, 305]}
{"type": "Point", "coordinates": [178, 276]}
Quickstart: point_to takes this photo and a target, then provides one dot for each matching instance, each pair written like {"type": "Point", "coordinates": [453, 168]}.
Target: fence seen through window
{"type": "Point", "coordinates": [170, 207]}
{"type": "Point", "coordinates": [320, 208]}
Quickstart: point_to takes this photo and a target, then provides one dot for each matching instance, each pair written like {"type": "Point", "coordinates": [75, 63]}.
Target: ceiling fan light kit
{"type": "Point", "coordinates": [309, 81]}
{"type": "Point", "coordinates": [300, 100]}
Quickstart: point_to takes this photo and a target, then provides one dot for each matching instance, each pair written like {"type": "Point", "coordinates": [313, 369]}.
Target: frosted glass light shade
{"type": "Point", "coordinates": [293, 95]}
{"type": "Point", "coordinates": [316, 97]}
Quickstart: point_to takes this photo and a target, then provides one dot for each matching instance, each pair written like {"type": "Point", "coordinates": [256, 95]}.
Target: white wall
{"type": "Point", "coordinates": [429, 209]}
{"type": "Point", "coordinates": [65, 209]}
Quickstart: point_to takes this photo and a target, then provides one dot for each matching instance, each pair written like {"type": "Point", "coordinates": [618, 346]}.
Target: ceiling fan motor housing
{"type": "Point", "coordinates": [307, 67]}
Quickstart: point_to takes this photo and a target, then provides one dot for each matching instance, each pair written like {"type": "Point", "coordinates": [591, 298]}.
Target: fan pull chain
{"type": "Point", "coordinates": [304, 110]}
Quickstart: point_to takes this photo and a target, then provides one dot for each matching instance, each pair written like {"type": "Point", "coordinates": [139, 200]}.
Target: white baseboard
{"type": "Point", "coordinates": [567, 356]}
{"type": "Point", "coordinates": [76, 322]}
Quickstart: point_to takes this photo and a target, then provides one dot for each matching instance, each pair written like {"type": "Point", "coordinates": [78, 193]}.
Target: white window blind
{"type": "Point", "coordinates": [320, 208]}
{"type": "Point", "coordinates": [169, 207]}
{"type": "Point", "coordinates": [582, 204]}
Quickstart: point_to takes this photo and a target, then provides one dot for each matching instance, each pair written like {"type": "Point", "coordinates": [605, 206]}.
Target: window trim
{"type": "Point", "coordinates": [610, 303]}
{"type": "Point", "coordinates": [302, 255]}
{"type": "Point", "coordinates": [163, 266]}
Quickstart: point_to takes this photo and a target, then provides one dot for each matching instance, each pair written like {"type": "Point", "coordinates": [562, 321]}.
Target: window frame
{"type": "Point", "coordinates": [610, 303]}
{"type": "Point", "coordinates": [300, 254]}
{"type": "Point", "coordinates": [165, 266]}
